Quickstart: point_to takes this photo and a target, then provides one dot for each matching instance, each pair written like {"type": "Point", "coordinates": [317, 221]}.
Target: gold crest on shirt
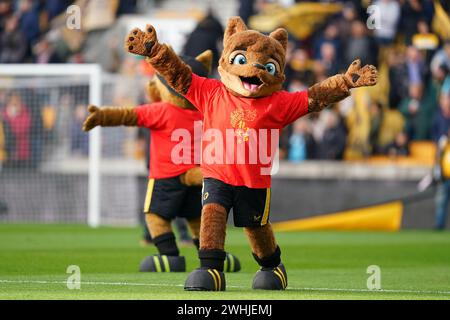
{"type": "Point", "coordinates": [239, 121]}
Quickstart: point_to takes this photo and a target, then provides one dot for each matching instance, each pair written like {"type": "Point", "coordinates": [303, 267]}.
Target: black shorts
{"type": "Point", "coordinates": [251, 207]}
{"type": "Point", "coordinates": [169, 198]}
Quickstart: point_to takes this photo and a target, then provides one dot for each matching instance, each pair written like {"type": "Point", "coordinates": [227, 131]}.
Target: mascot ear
{"type": "Point", "coordinates": [235, 25]}
{"type": "Point", "coordinates": [205, 59]}
{"type": "Point", "coordinates": [153, 91]}
{"type": "Point", "coordinates": [281, 36]}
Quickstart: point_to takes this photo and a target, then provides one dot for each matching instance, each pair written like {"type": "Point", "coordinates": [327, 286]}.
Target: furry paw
{"type": "Point", "coordinates": [141, 42]}
{"type": "Point", "coordinates": [93, 120]}
{"type": "Point", "coordinates": [361, 77]}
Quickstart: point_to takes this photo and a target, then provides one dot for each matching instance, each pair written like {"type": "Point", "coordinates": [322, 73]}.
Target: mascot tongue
{"type": "Point", "coordinates": [250, 87]}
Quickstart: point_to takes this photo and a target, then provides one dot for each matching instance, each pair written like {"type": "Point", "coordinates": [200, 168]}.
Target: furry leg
{"type": "Point", "coordinates": [262, 241]}
{"type": "Point", "coordinates": [162, 234]}
{"type": "Point", "coordinates": [213, 227]}
{"type": "Point", "coordinates": [212, 237]}
{"type": "Point", "coordinates": [272, 275]}
{"type": "Point", "coordinates": [157, 225]}
{"type": "Point", "coordinates": [194, 226]}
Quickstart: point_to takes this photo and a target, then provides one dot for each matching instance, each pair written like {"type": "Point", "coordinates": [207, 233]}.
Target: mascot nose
{"type": "Point", "coordinates": [259, 66]}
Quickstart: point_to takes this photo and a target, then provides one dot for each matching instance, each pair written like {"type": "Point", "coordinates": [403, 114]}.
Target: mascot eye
{"type": "Point", "coordinates": [239, 59]}
{"type": "Point", "coordinates": [270, 67]}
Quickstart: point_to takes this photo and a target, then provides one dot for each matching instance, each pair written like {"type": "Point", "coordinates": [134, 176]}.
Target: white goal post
{"type": "Point", "coordinates": [94, 74]}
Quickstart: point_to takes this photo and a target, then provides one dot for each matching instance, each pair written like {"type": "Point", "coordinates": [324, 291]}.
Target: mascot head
{"type": "Point", "coordinates": [252, 64]}
{"type": "Point", "coordinates": [159, 89]}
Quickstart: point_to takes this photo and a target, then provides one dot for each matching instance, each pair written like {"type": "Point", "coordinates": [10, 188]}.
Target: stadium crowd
{"type": "Point", "coordinates": [411, 102]}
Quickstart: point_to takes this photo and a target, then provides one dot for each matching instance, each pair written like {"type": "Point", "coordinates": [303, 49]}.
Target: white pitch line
{"type": "Point", "coordinates": [371, 291]}
{"type": "Point", "coordinates": [238, 287]}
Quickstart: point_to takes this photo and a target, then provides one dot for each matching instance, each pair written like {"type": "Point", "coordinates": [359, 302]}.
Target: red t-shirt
{"type": "Point", "coordinates": [242, 127]}
{"type": "Point", "coordinates": [172, 138]}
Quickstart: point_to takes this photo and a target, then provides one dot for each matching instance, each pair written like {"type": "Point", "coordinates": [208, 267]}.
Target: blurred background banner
{"type": "Point", "coordinates": [368, 150]}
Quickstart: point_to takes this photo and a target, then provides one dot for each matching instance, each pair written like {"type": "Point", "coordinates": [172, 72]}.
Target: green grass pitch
{"type": "Point", "coordinates": [320, 265]}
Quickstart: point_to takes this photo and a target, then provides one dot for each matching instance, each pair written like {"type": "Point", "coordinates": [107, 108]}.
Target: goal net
{"type": "Point", "coordinates": [50, 170]}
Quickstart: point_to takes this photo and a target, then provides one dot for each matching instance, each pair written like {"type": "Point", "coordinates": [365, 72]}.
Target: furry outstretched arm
{"type": "Point", "coordinates": [165, 61]}
{"type": "Point", "coordinates": [336, 88]}
{"type": "Point", "coordinates": [110, 117]}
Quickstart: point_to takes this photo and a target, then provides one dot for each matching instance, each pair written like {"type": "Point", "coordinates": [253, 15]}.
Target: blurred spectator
{"type": "Point", "coordinates": [301, 142]}
{"type": "Point", "coordinates": [441, 123]}
{"type": "Point", "coordinates": [56, 7]}
{"type": "Point", "coordinates": [440, 172]}
{"type": "Point", "coordinates": [411, 14]}
{"type": "Point", "coordinates": [330, 35]}
{"type": "Point", "coordinates": [412, 106]}
{"type": "Point", "coordinates": [392, 124]}
{"type": "Point", "coordinates": [376, 119]}
{"type": "Point", "coordinates": [29, 20]}
{"type": "Point", "coordinates": [345, 21]}
{"type": "Point", "coordinates": [398, 74]}
{"type": "Point", "coordinates": [415, 64]}
{"type": "Point", "coordinates": [333, 141]}
{"type": "Point", "coordinates": [206, 35]}
{"type": "Point", "coordinates": [400, 146]}
{"type": "Point", "coordinates": [299, 71]}
{"type": "Point", "coordinates": [360, 45]}
{"type": "Point", "coordinates": [17, 118]}
{"type": "Point", "coordinates": [5, 12]}
{"type": "Point", "coordinates": [424, 39]}
{"type": "Point", "coordinates": [127, 7]}
{"type": "Point", "coordinates": [389, 18]}
{"type": "Point", "coordinates": [45, 53]}
{"type": "Point", "coordinates": [79, 139]}
{"type": "Point", "coordinates": [13, 44]}
{"type": "Point", "coordinates": [411, 109]}
{"type": "Point", "coordinates": [329, 59]}
{"type": "Point", "coordinates": [246, 9]}
{"type": "Point", "coordinates": [442, 57]}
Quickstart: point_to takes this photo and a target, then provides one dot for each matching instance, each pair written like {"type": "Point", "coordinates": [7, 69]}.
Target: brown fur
{"type": "Point", "coordinates": [157, 225]}
{"type": "Point", "coordinates": [262, 240]}
{"type": "Point", "coordinates": [153, 91]}
{"type": "Point", "coordinates": [167, 96]}
{"type": "Point", "coordinates": [213, 227]}
{"type": "Point", "coordinates": [257, 48]}
{"type": "Point", "coordinates": [338, 87]}
{"type": "Point", "coordinates": [165, 61]}
{"type": "Point", "coordinates": [109, 117]}
{"type": "Point", "coordinates": [159, 92]}
{"type": "Point", "coordinates": [192, 177]}
{"type": "Point", "coordinates": [194, 226]}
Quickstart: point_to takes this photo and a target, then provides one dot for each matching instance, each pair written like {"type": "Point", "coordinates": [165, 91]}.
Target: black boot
{"type": "Point", "coordinates": [203, 279]}
{"type": "Point", "coordinates": [210, 276]}
{"type": "Point", "coordinates": [232, 263]}
{"type": "Point", "coordinates": [163, 263]}
{"type": "Point", "coordinates": [272, 275]}
{"type": "Point", "coordinates": [270, 278]}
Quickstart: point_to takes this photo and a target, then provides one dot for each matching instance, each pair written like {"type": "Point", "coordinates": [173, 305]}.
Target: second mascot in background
{"type": "Point", "coordinates": [174, 189]}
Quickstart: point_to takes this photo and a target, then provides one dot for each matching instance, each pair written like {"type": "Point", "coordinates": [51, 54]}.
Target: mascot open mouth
{"type": "Point", "coordinates": [251, 84]}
